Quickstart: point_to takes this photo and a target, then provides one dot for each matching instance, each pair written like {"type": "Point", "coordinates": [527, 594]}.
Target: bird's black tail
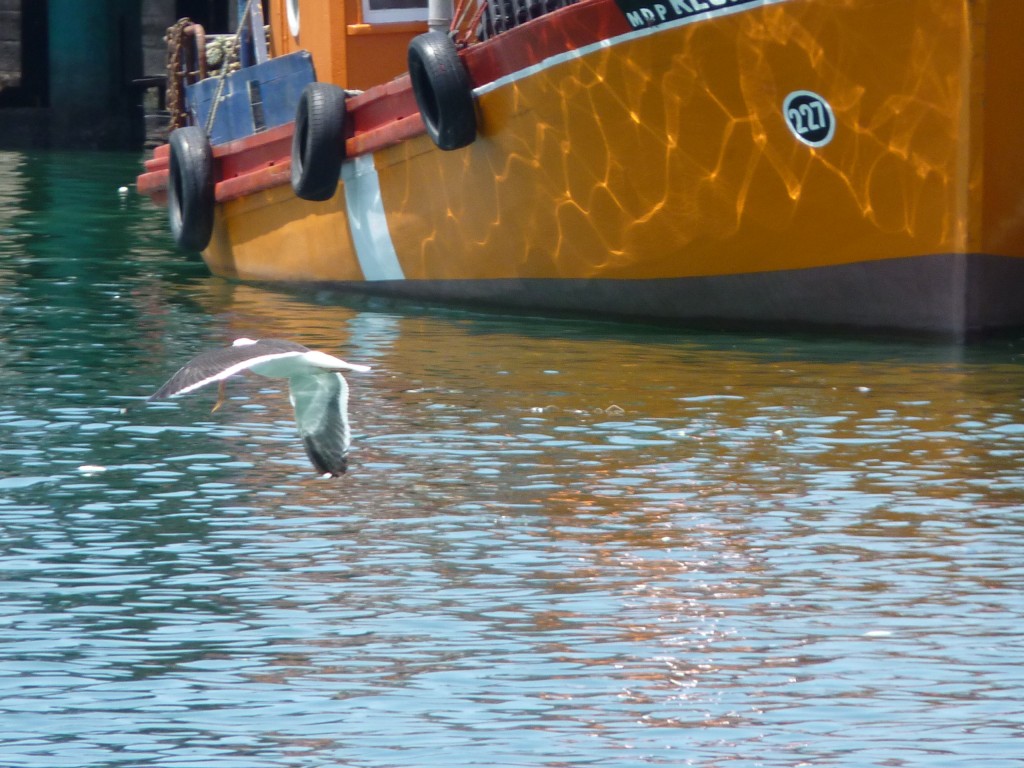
{"type": "Point", "coordinates": [325, 462]}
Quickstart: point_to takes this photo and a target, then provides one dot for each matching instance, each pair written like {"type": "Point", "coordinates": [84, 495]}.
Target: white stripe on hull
{"type": "Point", "coordinates": [367, 221]}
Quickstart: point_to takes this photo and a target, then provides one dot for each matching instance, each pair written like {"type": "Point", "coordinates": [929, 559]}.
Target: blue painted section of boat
{"type": "Point", "coordinates": [252, 99]}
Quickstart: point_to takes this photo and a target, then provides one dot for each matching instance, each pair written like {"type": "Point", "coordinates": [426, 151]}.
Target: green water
{"type": "Point", "coordinates": [560, 543]}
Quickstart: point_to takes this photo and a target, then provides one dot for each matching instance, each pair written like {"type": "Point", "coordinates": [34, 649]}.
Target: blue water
{"type": "Point", "coordinates": [560, 543]}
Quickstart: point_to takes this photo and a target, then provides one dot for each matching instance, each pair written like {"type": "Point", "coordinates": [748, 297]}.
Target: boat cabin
{"type": "Point", "coordinates": [355, 43]}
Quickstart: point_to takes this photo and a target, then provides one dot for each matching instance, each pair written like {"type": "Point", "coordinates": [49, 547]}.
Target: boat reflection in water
{"type": "Point", "coordinates": [601, 523]}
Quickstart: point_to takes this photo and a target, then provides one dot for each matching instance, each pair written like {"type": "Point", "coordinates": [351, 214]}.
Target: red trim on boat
{"type": "Point", "coordinates": [382, 104]}
{"type": "Point", "coordinates": [253, 181]}
{"type": "Point", "coordinates": [160, 159]}
{"type": "Point", "coordinates": [386, 135]}
{"type": "Point", "coordinates": [566, 29]}
{"type": "Point", "coordinates": [254, 153]}
{"type": "Point", "coordinates": [152, 182]}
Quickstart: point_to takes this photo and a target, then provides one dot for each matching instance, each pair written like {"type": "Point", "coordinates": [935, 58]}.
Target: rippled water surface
{"type": "Point", "coordinates": [560, 543]}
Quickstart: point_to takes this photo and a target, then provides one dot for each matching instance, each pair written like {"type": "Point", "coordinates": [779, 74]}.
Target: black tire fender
{"type": "Point", "coordinates": [190, 188]}
{"type": "Point", "coordinates": [318, 143]}
{"type": "Point", "coordinates": [444, 93]}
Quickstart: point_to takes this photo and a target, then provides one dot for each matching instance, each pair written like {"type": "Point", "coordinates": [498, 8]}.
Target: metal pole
{"type": "Point", "coordinates": [245, 52]}
{"type": "Point", "coordinates": [259, 35]}
{"type": "Point", "coordinates": [439, 15]}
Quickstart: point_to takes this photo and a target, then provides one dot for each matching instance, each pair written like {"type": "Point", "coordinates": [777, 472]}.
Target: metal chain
{"type": "Point", "coordinates": [175, 77]}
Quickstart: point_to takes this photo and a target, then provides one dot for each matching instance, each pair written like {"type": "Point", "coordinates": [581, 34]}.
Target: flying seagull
{"type": "Point", "coordinates": [316, 388]}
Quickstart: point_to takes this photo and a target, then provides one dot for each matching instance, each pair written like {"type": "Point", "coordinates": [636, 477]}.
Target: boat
{"type": "Point", "coordinates": [784, 163]}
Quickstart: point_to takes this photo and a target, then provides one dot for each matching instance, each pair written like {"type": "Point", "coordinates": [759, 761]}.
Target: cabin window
{"type": "Point", "coordinates": [384, 11]}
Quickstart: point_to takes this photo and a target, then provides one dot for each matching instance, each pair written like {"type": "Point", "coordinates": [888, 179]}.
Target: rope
{"type": "Point", "coordinates": [222, 78]}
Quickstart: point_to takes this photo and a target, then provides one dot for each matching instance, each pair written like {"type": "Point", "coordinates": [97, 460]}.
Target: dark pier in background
{"type": "Point", "coordinates": [76, 74]}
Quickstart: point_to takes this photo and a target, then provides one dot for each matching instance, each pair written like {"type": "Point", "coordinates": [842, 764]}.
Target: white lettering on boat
{"type": "Point", "coordinates": [726, 8]}
{"type": "Point", "coordinates": [652, 13]}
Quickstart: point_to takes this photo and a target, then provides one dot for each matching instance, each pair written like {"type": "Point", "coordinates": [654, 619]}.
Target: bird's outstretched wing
{"type": "Point", "coordinates": [219, 364]}
{"type": "Point", "coordinates": [320, 401]}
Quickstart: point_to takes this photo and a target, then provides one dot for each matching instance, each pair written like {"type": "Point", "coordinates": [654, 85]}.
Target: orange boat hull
{"type": "Point", "coordinates": [656, 174]}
